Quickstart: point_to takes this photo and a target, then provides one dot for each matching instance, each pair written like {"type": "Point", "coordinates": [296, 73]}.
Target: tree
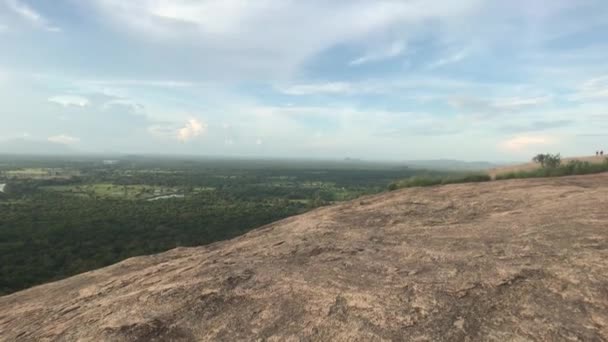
{"type": "Point", "coordinates": [548, 161]}
{"type": "Point", "coordinates": [553, 161]}
{"type": "Point", "coordinates": [540, 159]}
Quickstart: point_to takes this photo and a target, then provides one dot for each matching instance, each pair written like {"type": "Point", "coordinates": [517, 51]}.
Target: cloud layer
{"type": "Point", "coordinates": [524, 142]}
{"type": "Point", "coordinates": [380, 79]}
{"type": "Point", "coordinates": [63, 139]}
{"type": "Point", "coordinates": [30, 15]}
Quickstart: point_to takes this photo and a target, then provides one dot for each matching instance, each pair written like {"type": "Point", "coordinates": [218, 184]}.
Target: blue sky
{"type": "Point", "coordinates": [372, 79]}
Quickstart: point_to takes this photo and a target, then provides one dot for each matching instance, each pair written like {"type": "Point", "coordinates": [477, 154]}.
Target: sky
{"type": "Point", "coordinates": [372, 79]}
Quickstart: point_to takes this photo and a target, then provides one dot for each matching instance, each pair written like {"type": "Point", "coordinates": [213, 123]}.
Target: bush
{"type": "Point", "coordinates": [471, 178]}
{"type": "Point", "coordinates": [549, 161]}
{"type": "Point", "coordinates": [421, 181]}
{"type": "Point", "coordinates": [429, 180]}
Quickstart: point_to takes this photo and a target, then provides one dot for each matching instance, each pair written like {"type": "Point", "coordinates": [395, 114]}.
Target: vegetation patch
{"type": "Point", "coordinates": [552, 166]}
{"type": "Point", "coordinates": [52, 226]}
{"type": "Point", "coordinates": [431, 180]}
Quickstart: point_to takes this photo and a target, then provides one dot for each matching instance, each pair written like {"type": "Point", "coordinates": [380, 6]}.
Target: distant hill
{"type": "Point", "coordinates": [520, 260]}
{"type": "Point", "coordinates": [450, 165]}
{"type": "Point", "coordinates": [36, 147]}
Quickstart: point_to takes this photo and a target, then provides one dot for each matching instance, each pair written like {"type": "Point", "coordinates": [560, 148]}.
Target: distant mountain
{"type": "Point", "coordinates": [27, 146]}
{"type": "Point", "coordinates": [452, 165]}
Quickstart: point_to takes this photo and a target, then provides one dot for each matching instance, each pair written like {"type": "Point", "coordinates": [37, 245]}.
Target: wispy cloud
{"type": "Point", "coordinates": [451, 59]}
{"type": "Point", "coordinates": [375, 86]}
{"type": "Point", "coordinates": [32, 16]}
{"type": "Point", "coordinates": [535, 126]}
{"type": "Point", "coordinates": [276, 36]}
{"type": "Point", "coordinates": [63, 139]}
{"type": "Point", "coordinates": [70, 100]}
{"type": "Point", "coordinates": [319, 88]}
{"type": "Point", "coordinates": [515, 103]}
{"type": "Point", "coordinates": [593, 89]}
{"type": "Point", "coordinates": [483, 106]}
{"type": "Point", "coordinates": [525, 142]}
{"type": "Point", "coordinates": [394, 50]}
{"type": "Point", "coordinates": [143, 83]}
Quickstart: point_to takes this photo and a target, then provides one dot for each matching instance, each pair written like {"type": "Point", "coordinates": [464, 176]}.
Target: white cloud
{"type": "Point", "coordinates": [454, 58]}
{"type": "Point", "coordinates": [593, 89]}
{"type": "Point", "coordinates": [29, 14]}
{"type": "Point", "coordinates": [192, 129]}
{"type": "Point", "coordinates": [524, 142]}
{"type": "Point", "coordinates": [183, 132]}
{"type": "Point", "coordinates": [63, 139]}
{"type": "Point", "coordinates": [142, 83]}
{"type": "Point", "coordinates": [514, 103]}
{"type": "Point", "coordinates": [133, 105]}
{"type": "Point", "coordinates": [434, 86]}
{"type": "Point", "coordinates": [320, 88]}
{"type": "Point", "coordinates": [500, 105]}
{"type": "Point", "coordinates": [228, 16]}
{"type": "Point", "coordinates": [258, 141]}
{"type": "Point", "coordinates": [70, 100]}
{"type": "Point", "coordinates": [276, 36]}
{"type": "Point", "coordinates": [318, 38]}
{"type": "Point", "coordinates": [394, 50]}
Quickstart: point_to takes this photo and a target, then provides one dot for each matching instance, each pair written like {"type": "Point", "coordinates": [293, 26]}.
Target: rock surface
{"type": "Point", "coordinates": [516, 260]}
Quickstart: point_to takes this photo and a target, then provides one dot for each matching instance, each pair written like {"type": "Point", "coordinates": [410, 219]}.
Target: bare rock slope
{"type": "Point", "coordinates": [516, 260]}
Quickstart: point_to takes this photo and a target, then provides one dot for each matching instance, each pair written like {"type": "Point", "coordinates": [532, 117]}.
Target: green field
{"type": "Point", "coordinates": [38, 173]}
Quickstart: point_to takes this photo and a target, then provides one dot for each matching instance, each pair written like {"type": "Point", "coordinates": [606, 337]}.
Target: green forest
{"type": "Point", "coordinates": [64, 216]}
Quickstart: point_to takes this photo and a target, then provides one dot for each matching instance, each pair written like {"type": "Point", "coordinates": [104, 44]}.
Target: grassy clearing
{"type": "Point", "coordinates": [113, 191]}
{"type": "Point", "coordinates": [203, 189]}
{"type": "Point", "coordinates": [573, 167]}
{"type": "Point", "coordinates": [40, 173]}
{"type": "Point", "coordinates": [27, 171]}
